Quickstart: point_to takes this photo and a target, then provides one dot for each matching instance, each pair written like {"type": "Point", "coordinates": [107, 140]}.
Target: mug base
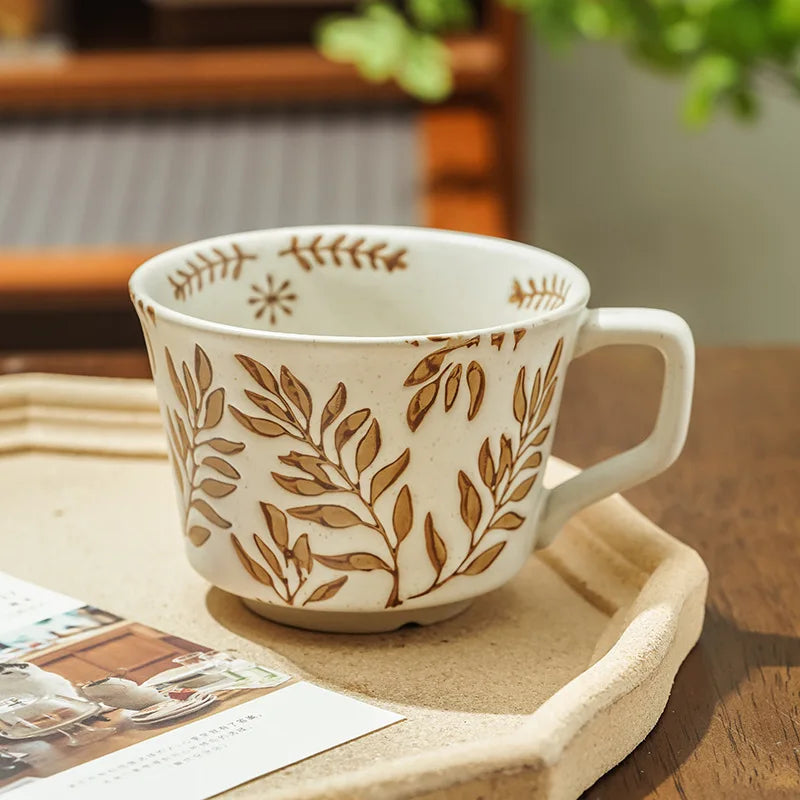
{"type": "Point", "coordinates": [354, 621]}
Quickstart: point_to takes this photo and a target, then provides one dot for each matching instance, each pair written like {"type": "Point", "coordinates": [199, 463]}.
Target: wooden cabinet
{"type": "Point", "coordinates": [139, 651]}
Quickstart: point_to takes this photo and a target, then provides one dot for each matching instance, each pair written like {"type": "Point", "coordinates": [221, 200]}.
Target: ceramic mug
{"type": "Point", "coordinates": [359, 417]}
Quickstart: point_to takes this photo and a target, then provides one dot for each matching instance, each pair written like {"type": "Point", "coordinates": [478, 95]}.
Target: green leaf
{"type": "Point", "coordinates": [425, 71]}
{"type": "Point", "coordinates": [374, 42]}
{"type": "Point", "coordinates": [710, 77]}
{"type": "Point", "coordinates": [439, 15]}
{"type": "Point", "coordinates": [785, 18]}
{"type": "Point", "coordinates": [685, 36]}
{"type": "Point", "coordinates": [592, 19]}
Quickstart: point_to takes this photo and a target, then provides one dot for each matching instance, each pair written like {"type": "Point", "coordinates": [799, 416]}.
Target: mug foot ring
{"type": "Point", "coordinates": [354, 621]}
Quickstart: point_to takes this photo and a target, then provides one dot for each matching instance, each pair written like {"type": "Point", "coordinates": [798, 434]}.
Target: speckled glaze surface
{"type": "Point", "coordinates": [359, 417]}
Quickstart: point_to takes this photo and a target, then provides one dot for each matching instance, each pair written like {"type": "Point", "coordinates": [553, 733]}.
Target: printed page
{"type": "Point", "coordinates": [93, 705]}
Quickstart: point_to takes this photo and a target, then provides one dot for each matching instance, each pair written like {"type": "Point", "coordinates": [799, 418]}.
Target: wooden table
{"type": "Point", "coordinates": [732, 726]}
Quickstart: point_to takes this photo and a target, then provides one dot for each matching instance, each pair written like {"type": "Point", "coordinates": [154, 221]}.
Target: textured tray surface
{"type": "Point", "coordinates": [535, 691]}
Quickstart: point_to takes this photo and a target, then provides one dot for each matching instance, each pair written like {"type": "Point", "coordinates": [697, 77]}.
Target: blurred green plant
{"type": "Point", "coordinates": [728, 50]}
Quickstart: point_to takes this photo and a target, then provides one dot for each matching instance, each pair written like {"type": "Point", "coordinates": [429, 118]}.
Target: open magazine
{"type": "Point", "coordinates": [91, 704]}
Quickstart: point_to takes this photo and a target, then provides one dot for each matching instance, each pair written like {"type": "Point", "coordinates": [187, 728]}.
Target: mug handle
{"type": "Point", "coordinates": [668, 333]}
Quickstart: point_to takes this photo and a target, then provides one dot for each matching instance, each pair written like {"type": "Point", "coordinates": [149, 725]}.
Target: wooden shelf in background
{"type": "Point", "coordinates": [79, 278]}
{"type": "Point", "coordinates": [213, 77]}
{"type": "Point", "coordinates": [461, 172]}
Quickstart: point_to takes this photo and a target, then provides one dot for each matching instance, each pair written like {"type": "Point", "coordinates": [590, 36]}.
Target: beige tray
{"type": "Point", "coordinates": [534, 692]}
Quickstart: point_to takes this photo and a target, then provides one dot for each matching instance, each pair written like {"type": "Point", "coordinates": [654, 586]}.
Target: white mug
{"type": "Point", "coordinates": [359, 417]}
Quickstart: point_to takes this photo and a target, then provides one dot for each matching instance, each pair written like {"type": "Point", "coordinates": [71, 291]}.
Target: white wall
{"type": "Point", "coordinates": [706, 224]}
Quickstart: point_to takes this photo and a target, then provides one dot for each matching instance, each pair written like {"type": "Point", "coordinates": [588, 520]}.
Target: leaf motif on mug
{"type": "Point", "coordinates": [276, 524]}
{"type": "Point", "coordinates": [296, 391]}
{"type": "Point", "coordinates": [329, 516]}
{"type": "Point", "coordinates": [520, 401]}
{"type": "Point", "coordinates": [327, 590]}
{"type": "Point", "coordinates": [260, 374]}
{"type": "Point", "coordinates": [333, 407]}
{"type": "Point", "coordinates": [269, 405]}
{"type": "Point", "coordinates": [268, 555]}
{"type": "Point", "coordinates": [476, 381]}
{"type": "Point", "coordinates": [202, 409]}
{"type": "Point", "coordinates": [362, 562]}
{"type": "Point", "coordinates": [554, 361]}
{"type": "Point", "coordinates": [348, 427]}
{"type": "Point", "coordinates": [509, 521]}
{"type": "Point", "coordinates": [304, 486]}
{"type": "Point", "coordinates": [198, 535]}
{"type": "Point", "coordinates": [259, 425]}
{"type": "Point", "coordinates": [176, 383]}
{"type": "Point", "coordinates": [301, 553]}
{"type": "Point", "coordinates": [386, 476]}
{"type": "Point", "coordinates": [486, 464]}
{"type": "Point", "coordinates": [183, 437]}
{"type": "Point", "coordinates": [208, 512]}
{"type": "Point", "coordinates": [421, 404]}
{"type": "Point", "coordinates": [504, 462]}
{"type": "Point", "coordinates": [215, 488]}
{"type": "Point", "coordinates": [484, 560]}
{"type": "Point", "coordinates": [202, 369]}
{"type": "Point", "coordinates": [534, 401]}
{"type": "Point", "coordinates": [403, 514]}
{"type": "Point", "coordinates": [435, 546]}
{"type": "Point", "coordinates": [252, 567]}
{"type": "Point", "coordinates": [544, 406]}
{"type": "Point", "coordinates": [451, 387]}
{"type": "Point", "coordinates": [541, 436]}
{"type": "Point", "coordinates": [524, 488]}
{"type": "Point", "coordinates": [368, 447]}
{"type": "Point", "coordinates": [497, 340]}
{"type": "Point", "coordinates": [471, 508]}
{"type": "Point", "coordinates": [426, 369]}
{"type": "Point", "coordinates": [188, 382]}
{"type": "Point", "coordinates": [215, 405]}
{"type": "Point", "coordinates": [221, 466]}
{"type": "Point", "coordinates": [204, 268]}
{"type": "Point", "coordinates": [311, 465]}
{"type": "Point", "coordinates": [225, 446]}
{"type": "Point", "coordinates": [532, 461]}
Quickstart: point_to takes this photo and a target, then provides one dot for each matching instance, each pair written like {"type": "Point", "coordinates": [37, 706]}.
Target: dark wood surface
{"type": "Point", "coordinates": [732, 725]}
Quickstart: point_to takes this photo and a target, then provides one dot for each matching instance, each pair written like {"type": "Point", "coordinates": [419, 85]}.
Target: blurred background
{"type": "Point", "coordinates": [133, 125]}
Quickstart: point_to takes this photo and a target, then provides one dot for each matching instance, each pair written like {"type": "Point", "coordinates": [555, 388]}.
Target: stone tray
{"type": "Point", "coordinates": [534, 692]}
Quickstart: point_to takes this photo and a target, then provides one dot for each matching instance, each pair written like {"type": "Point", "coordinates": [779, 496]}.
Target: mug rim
{"type": "Point", "coordinates": [155, 263]}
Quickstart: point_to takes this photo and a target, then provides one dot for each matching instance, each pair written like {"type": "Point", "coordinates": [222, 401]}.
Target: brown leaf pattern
{"type": "Point", "coordinates": [476, 380]}
{"type": "Point", "coordinates": [205, 268]}
{"type": "Point", "coordinates": [289, 566]}
{"type": "Point", "coordinates": [343, 249]}
{"type": "Point", "coordinates": [546, 295]}
{"type": "Point", "coordinates": [506, 477]}
{"type": "Point", "coordinates": [326, 591]}
{"type": "Point", "coordinates": [441, 367]}
{"type": "Point", "coordinates": [201, 478]}
{"type": "Point", "coordinates": [328, 464]}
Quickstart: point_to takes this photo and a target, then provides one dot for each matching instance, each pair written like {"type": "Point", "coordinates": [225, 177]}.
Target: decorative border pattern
{"type": "Point", "coordinates": [341, 249]}
{"type": "Point", "coordinates": [545, 297]}
{"type": "Point", "coordinates": [272, 299]}
{"type": "Point", "coordinates": [204, 269]}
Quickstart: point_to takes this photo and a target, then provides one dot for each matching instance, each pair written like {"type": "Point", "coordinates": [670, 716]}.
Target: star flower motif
{"type": "Point", "coordinates": [272, 299]}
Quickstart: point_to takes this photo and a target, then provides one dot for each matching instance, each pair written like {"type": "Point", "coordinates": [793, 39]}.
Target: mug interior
{"type": "Point", "coordinates": [361, 281]}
